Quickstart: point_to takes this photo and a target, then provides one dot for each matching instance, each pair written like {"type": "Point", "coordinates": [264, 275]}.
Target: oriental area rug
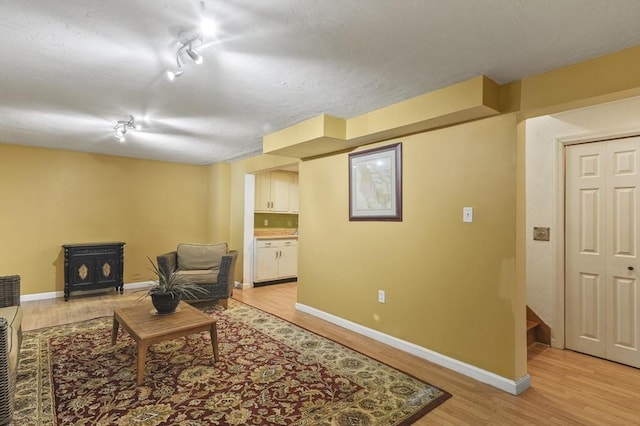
{"type": "Point", "coordinates": [270, 372]}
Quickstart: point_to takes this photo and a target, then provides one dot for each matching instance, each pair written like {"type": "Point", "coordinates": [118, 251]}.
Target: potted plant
{"type": "Point", "coordinates": [168, 289]}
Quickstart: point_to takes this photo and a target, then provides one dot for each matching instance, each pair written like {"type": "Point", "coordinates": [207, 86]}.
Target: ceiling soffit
{"type": "Point", "coordinates": [473, 99]}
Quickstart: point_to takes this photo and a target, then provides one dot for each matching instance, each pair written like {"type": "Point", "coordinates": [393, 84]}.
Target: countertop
{"type": "Point", "coordinates": [275, 233]}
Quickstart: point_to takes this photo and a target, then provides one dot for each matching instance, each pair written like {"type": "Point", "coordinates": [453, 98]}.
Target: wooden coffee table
{"type": "Point", "coordinates": [147, 328]}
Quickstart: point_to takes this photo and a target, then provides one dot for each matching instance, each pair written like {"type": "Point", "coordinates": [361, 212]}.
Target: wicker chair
{"type": "Point", "coordinates": [211, 266]}
{"type": "Point", "coordinates": [10, 341]}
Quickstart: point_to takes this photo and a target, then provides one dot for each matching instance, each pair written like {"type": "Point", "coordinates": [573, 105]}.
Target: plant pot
{"type": "Point", "coordinates": [165, 303]}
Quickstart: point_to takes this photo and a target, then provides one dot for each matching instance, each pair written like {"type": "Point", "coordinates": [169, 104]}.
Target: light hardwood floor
{"type": "Point", "coordinates": [568, 388]}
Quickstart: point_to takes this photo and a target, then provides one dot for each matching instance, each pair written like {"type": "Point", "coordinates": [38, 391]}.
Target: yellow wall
{"type": "Point", "coordinates": [603, 79]}
{"type": "Point", "coordinates": [219, 203]}
{"type": "Point", "coordinates": [440, 274]}
{"type": "Point", "coordinates": [54, 197]}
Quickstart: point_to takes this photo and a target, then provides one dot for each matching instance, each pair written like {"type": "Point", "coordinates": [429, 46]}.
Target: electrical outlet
{"type": "Point", "coordinates": [381, 296]}
{"type": "Point", "coordinates": [266, 222]}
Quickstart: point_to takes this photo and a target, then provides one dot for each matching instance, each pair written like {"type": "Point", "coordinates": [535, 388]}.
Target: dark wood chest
{"type": "Point", "coordinates": [93, 266]}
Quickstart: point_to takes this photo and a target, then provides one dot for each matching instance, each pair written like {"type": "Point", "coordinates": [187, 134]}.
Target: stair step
{"type": "Point", "coordinates": [532, 324]}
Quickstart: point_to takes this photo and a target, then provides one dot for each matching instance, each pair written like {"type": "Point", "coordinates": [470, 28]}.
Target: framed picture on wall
{"type": "Point", "coordinates": [375, 184]}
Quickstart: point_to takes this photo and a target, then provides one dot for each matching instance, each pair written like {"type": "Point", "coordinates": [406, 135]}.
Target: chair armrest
{"type": "Point", "coordinates": [168, 262]}
{"type": "Point", "coordinates": [5, 336]}
{"type": "Point", "coordinates": [10, 291]}
{"type": "Point", "coordinates": [227, 269]}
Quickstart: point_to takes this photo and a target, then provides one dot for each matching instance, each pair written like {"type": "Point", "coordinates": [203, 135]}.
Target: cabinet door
{"type": "Point", "coordinates": [82, 270]}
{"type": "Point", "coordinates": [293, 193]}
{"type": "Point", "coordinates": [263, 192]}
{"type": "Point", "coordinates": [280, 183]}
{"type": "Point", "coordinates": [288, 260]}
{"type": "Point", "coordinates": [266, 261]}
{"type": "Point", "coordinates": [108, 269]}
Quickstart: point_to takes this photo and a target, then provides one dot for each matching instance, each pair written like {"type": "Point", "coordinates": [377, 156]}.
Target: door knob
{"type": "Point", "coordinates": [630, 268]}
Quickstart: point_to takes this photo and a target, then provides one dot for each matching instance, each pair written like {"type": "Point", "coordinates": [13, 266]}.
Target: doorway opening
{"type": "Point", "coordinates": [259, 220]}
{"type": "Point", "coordinates": [546, 138]}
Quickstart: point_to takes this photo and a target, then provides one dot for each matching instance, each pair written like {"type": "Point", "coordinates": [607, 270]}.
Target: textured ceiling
{"type": "Point", "coordinates": [70, 69]}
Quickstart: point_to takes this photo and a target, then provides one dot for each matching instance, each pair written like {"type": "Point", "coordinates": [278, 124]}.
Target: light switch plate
{"type": "Point", "coordinates": [467, 214]}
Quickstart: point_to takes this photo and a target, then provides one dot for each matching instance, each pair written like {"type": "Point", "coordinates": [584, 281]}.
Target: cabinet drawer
{"type": "Point", "coordinates": [266, 243]}
{"type": "Point", "coordinates": [288, 243]}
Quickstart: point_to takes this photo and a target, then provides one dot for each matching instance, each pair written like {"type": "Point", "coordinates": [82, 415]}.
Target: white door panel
{"type": "Point", "coordinates": [586, 265]}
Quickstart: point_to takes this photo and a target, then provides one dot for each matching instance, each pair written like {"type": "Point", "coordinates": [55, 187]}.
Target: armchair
{"type": "Point", "coordinates": [10, 341]}
{"type": "Point", "coordinates": [211, 266]}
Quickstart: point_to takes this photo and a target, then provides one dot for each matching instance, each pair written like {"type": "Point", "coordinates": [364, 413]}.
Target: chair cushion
{"type": "Point", "coordinates": [13, 315]}
{"type": "Point", "coordinates": [199, 276]}
{"type": "Point", "coordinates": [200, 256]}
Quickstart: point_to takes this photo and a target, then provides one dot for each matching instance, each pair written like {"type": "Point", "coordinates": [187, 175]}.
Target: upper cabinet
{"type": "Point", "coordinates": [277, 192]}
{"type": "Point", "coordinates": [293, 194]}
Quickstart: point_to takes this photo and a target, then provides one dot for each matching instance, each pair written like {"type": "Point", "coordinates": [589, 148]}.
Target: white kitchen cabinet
{"type": "Point", "coordinates": [288, 260]}
{"type": "Point", "coordinates": [293, 194]}
{"type": "Point", "coordinates": [276, 259]}
{"type": "Point", "coordinates": [274, 192]}
{"type": "Point", "coordinates": [266, 261]}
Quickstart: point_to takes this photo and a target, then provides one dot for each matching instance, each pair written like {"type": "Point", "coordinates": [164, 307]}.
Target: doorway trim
{"type": "Point", "coordinates": [248, 230]}
{"type": "Point", "coordinates": [249, 201]}
{"type": "Point", "coordinates": [559, 334]}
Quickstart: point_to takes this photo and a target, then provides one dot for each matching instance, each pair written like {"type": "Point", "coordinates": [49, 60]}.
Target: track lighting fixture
{"type": "Point", "coordinates": [189, 43]}
{"type": "Point", "coordinates": [122, 127]}
{"type": "Point", "coordinates": [194, 55]}
{"type": "Point", "coordinates": [175, 73]}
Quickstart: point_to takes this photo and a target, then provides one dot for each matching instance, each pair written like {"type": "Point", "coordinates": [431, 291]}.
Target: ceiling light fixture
{"type": "Point", "coordinates": [189, 43]}
{"type": "Point", "coordinates": [208, 27]}
{"type": "Point", "coordinates": [122, 127]}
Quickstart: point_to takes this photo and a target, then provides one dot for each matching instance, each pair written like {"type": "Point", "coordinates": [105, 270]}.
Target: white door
{"type": "Point", "coordinates": [602, 235]}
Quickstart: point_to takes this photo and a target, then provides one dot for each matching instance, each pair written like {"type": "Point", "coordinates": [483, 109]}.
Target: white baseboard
{"type": "Point", "coordinates": [514, 387]}
{"type": "Point", "coordinates": [56, 294]}
{"type": "Point", "coordinates": [41, 296]}
{"type": "Point", "coordinates": [243, 286]}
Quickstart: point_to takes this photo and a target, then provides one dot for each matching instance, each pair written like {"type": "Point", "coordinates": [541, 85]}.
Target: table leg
{"type": "Point", "coordinates": [214, 340]}
{"type": "Point", "coordinates": [142, 356]}
{"type": "Point", "coordinates": [114, 331]}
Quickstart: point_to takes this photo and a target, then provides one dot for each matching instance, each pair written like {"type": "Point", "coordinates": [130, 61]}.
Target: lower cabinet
{"type": "Point", "coordinates": [93, 266]}
{"type": "Point", "coordinates": [276, 259]}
